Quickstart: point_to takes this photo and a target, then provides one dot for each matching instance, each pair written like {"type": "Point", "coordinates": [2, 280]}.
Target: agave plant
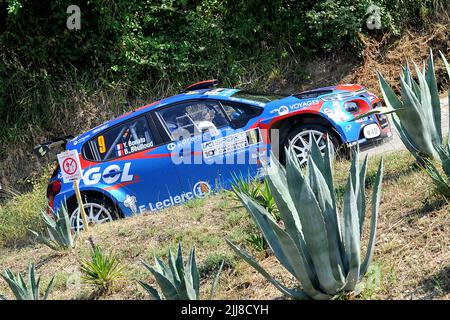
{"type": "Point", "coordinates": [61, 237]}
{"type": "Point", "coordinates": [26, 290]}
{"type": "Point", "coordinates": [318, 245]}
{"type": "Point", "coordinates": [178, 281]}
{"type": "Point", "coordinates": [417, 114]}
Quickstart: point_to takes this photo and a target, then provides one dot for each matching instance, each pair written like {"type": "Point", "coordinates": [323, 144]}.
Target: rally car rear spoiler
{"type": "Point", "coordinates": [42, 149]}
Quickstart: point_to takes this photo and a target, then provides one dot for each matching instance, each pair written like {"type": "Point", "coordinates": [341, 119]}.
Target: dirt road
{"type": "Point", "coordinates": [396, 143]}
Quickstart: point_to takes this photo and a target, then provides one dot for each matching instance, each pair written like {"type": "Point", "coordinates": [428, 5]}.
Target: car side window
{"type": "Point", "coordinates": [239, 115]}
{"type": "Point", "coordinates": [127, 138]}
{"type": "Point", "coordinates": [189, 119]}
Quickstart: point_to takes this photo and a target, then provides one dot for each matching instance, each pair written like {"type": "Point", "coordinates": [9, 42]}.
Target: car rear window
{"type": "Point", "coordinates": [258, 97]}
{"type": "Point", "coordinates": [127, 138]}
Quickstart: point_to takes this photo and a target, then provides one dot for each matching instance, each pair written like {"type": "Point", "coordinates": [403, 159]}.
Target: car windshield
{"type": "Point", "coordinates": [258, 97]}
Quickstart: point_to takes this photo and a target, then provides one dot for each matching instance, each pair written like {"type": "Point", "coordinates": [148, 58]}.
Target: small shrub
{"type": "Point", "coordinates": [177, 281]}
{"type": "Point", "coordinates": [102, 270]}
{"type": "Point", "coordinates": [26, 290]}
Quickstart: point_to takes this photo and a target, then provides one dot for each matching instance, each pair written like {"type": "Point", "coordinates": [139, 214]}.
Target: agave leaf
{"type": "Point", "coordinates": [288, 212]}
{"type": "Point", "coordinates": [444, 156]}
{"type": "Point", "coordinates": [434, 92]}
{"type": "Point", "coordinates": [428, 108]}
{"type": "Point", "coordinates": [48, 220]}
{"type": "Point", "coordinates": [439, 181]}
{"type": "Point", "coordinates": [33, 289]}
{"type": "Point", "coordinates": [167, 287]}
{"type": "Point", "coordinates": [361, 200]}
{"type": "Point", "coordinates": [390, 98]}
{"type": "Point", "coordinates": [179, 261]}
{"type": "Point", "coordinates": [191, 277]}
{"type": "Point", "coordinates": [152, 291]}
{"type": "Point", "coordinates": [173, 269]}
{"type": "Point", "coordinates": [313, 228]}
{"type": "Point", "coordinates": [216, 281]}
{"type": "Point", "coordinates": [321, 189]}
{"type": "Point", "coordinates": [49, 288]}
{"type": "Point", "coordinates": [13, 284]}
{"type": "Point", "coordinates": [296, 260]}
{"type": "Point", "coordinates": [286, 291]}
{"type": "Point", "coordinates": [278, 186]}
{"type": "Point", "coordinates": [413, 121]}
{"type": "Point", "coordinates": [351, 236]}
{"type": "Point", "coordinates": [259, 214]}
{"type": "Point", "coordinates": [376, 196]}
{"type": "Point", "coordinates": [447, 66]}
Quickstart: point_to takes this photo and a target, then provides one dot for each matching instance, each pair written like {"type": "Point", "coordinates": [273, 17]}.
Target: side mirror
{"type": "Point", "coordinates": [204, 126]}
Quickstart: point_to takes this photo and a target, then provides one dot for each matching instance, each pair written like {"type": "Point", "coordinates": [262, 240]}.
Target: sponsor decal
{"type": "Point", "coordinates": [336, 113]}
{"type": "Point", "coordinates": [171, 146]}
{"type": "Point", "coordinates": [130, 202]}
{"type": "Point", "coordinates": [98, 129]}
{"type": "Point", "coordinates": [201, 189]}
{"type": "Point", "coordinates": [111, 174]}
{"type": "Point", "coordinates": [230, 143]}
{"type": "Point", "coordinates": [119, 150]}
{"type": "Point", "coordinates": [80, 140]}
{"type": "Point", "coordinates": [261, 104]}
{"type": "Point", "coordinates": [125, 148]}
{"type": "Point", "coordinates": [295, 106]}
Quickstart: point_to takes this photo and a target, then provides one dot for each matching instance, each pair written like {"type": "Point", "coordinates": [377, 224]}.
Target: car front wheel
{"type": "Point", "coordinates": [301, 138]}
{"type": "Point", "coordinates": [97, 212]}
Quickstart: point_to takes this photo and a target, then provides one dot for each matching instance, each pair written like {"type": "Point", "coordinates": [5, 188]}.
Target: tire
{"type": "Point", "coordinates": [99, 209]}
{"type": "Point", "coordinates": [299, 139]}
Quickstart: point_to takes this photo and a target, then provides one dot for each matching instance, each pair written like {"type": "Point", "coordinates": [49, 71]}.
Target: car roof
{"type": "Point", "coordinates": [213, 94]}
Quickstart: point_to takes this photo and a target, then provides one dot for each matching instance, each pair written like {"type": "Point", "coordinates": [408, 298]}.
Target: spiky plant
{"type": "Point", "coordinates": [417, 114]}
{"type": "Point", "coordinates": [317, 244]}
{"type": "Point", "coordinates": [177, 281]}
{"type": "Point", "coordinates": [417, 118]}
{"type": "Point", "coordinates": [102, 270]}
{"type": "Point", "coordinates": [60, 234]}
{"type": "Point", "coordinates": [26, 290]}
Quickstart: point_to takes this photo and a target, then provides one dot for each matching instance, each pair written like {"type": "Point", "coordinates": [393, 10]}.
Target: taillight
{"type": "Point", "coordinates": [52, 190]}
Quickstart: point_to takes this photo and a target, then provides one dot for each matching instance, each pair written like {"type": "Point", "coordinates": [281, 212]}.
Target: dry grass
{"type": "Point", "coordinates": [411, 259]}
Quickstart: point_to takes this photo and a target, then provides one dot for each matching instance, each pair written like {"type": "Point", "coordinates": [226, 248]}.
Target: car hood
{"type": "Point", "coordinates": [338, 91]}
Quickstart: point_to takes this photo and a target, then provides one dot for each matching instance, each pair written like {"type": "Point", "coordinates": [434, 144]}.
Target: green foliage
{"type": "Point", "coordinates": [60, 233]}
{"type": "Point", "coordinates": [177, 281]}
{"type": "Point", "coordinates": [318, 245]}
{"type": "Point", "coordinates": [102, 270]}
{"type": "Point", "coordinates": [167, 44]}
{"type": "Point", "coordinates": [26, 290]}
{"type": "Point", "coordinates": [256, 240]}
{"type": "Point", "coordinates": [21, 212]}
{"type": "Point", "coordinates": [259, 192]}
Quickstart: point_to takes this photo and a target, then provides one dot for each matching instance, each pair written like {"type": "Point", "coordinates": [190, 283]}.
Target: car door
{"type": "Point", "coordinates": [134, 166]}
{"type": "Point", "coordinates": [210, 143]}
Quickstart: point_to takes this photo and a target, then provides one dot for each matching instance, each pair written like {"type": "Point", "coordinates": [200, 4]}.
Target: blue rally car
{"type": "Point", "coordinates": [194, 143]}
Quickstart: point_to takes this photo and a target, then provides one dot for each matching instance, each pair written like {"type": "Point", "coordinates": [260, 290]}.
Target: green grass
{"type": "Point", "coordinates": [20, 213]}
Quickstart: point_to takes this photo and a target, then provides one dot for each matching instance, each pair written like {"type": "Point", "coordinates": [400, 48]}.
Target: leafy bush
{"type": "Point", "coordinates": [320, 247]}
{"type": "Point", "coordinates": [20, 213]}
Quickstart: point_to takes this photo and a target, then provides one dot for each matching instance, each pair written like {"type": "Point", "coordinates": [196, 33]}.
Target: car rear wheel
{"type": "Point", "coordinates": [301, 138]}
{"type": "Point", "coordinates": [97, 210]}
